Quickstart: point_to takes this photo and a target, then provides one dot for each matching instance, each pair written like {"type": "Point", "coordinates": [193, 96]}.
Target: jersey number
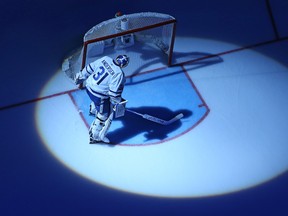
{"type": "Point", "coordinates": [100, 76]}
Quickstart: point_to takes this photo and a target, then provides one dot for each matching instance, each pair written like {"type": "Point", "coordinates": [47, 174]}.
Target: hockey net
{"type": "Point", "coordinates": [147, 38]}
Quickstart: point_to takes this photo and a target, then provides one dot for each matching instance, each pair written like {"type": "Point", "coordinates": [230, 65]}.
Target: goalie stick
{"type": "Point", "coordinates": [155, 119]}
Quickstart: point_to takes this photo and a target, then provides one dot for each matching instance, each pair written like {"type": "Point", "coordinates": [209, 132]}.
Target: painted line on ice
{"type": "Point", "coordinates": [270, 12]}
{"type": "Point", "coordinates": [15, 105]}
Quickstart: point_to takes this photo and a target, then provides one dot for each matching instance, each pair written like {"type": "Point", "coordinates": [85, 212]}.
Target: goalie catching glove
{"type": "Point", "coordinates": [79, 78]}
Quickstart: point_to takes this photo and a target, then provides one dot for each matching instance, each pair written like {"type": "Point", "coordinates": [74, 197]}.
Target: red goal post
{"type": "Point", "coordinates": [124, 31]}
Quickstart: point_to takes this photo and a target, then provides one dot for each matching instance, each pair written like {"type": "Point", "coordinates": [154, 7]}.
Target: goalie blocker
{"type": "Point", "coordinates": [119, 109]}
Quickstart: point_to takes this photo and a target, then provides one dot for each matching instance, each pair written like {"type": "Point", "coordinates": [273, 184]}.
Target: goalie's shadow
{"type": "Point", "coordinates": [134, 125]}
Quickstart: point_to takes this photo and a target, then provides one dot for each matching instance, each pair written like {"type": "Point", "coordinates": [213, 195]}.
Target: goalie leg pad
{"type": "Point", "coordinates": [92, 109]}
{"type": "Point", "coordinates": [104, 130]}
{"type": "Point", "coordinates": [97, 126]}
{"type": "Point", "coordinates": [95, 129]}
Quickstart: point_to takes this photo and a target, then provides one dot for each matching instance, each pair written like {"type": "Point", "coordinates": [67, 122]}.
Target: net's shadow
{"type": "Point", "coordinates": [134, 125]}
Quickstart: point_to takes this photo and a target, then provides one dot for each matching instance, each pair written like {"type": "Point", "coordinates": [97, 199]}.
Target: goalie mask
{"type": "Point", "coordinates": [122, 61]}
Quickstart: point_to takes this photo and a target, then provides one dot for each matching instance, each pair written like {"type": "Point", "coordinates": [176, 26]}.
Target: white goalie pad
{"type": "Point", "coordinates": [119, 109]}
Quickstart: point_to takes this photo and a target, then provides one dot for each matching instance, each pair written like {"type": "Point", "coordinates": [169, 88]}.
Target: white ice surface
{"type": "Point", "coordinates": [241, 143]}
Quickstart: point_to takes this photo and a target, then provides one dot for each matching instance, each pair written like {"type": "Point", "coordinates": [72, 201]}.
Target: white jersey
{"type": "Point", "coordinates": [104, 79]}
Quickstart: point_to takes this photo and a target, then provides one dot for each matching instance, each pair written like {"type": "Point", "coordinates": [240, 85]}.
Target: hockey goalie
{"type": "Point", "coordinates": [104, 82]}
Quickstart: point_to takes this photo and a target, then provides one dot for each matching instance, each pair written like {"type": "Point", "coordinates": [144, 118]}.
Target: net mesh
{"type": "Point", "coordinates": [139, 35]}
{"type": "Point", "coordinates": [135, 21]}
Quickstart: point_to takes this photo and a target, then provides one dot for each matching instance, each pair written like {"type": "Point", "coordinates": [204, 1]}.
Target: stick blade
{"type": "Point", "coordinates": [176, 118]}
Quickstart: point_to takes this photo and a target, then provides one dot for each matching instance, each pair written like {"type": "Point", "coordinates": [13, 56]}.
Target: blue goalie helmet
{"type": "Point", "coordinates": [122, 60]}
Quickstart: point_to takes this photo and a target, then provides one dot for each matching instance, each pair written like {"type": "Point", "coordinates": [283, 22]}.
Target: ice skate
{"type": "Point", "coordinates": [99, 141]}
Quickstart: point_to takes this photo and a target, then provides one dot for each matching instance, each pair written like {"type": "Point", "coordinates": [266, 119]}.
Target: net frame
{"type": "Point", "coordinates": [111, 29]}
